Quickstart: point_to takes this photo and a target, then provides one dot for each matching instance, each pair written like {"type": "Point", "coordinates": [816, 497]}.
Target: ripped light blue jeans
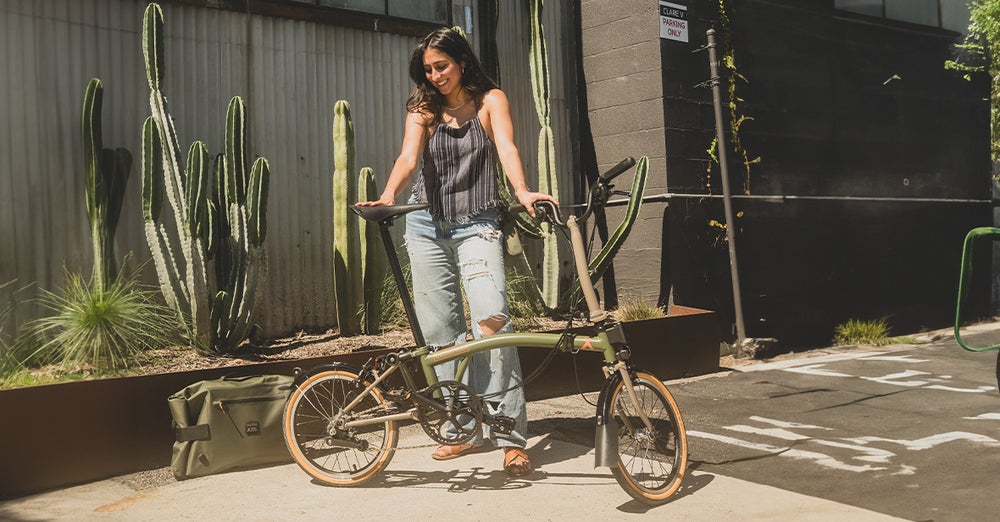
{"type": "Point", "coordinates": [444, 259]}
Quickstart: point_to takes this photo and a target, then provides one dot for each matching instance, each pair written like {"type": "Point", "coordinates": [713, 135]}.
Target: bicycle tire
{"type": "Point", "coordinates": [650, 466]}
{"type": "Point", "coordinates": [361, 453]}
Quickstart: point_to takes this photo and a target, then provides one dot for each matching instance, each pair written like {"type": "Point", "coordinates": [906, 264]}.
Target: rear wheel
{"type": "Point", "coordinates": [320, 442]}
{"type": "Point", "coordinates": [652, 460]}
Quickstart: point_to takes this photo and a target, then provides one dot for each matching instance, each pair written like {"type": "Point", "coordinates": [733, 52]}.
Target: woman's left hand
{"type": "Point", "coordinates": [528, 199]}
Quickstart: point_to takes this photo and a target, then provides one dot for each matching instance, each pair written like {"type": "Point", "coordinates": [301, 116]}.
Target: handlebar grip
{"type": "Point", "coordinates": [618, 169]}
{"type": "Point", "coordinates": [543, 210]}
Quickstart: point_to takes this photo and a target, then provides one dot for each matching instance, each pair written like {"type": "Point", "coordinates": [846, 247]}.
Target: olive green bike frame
{"type": "Point", "coordinates": [602, 342]}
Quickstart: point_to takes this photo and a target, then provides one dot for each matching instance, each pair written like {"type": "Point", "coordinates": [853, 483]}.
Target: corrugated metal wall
{"type": "Point", "coordinates": [289, 72]}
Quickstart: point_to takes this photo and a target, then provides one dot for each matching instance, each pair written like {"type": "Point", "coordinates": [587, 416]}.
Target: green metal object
{"type": "Point", "coordinates": [428, 360]}
{"type": "Point", "coordinates": [106, 172]}
{"type": "Point", "coordinates": [965, 276]}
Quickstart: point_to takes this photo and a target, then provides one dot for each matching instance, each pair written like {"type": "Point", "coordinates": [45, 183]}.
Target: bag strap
{"type": "Point", "coordinates": [191, 433]}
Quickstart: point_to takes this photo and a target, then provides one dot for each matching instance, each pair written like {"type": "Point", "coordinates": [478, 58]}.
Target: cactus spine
{"type": "Point", "coordinates": [347, 277]}
{"type": "Point", "coordinates": [227, 226]}
{"type": "Point", "coordinates": [106, 173]}
{"type": "Point", "coordinates": [547, 181]}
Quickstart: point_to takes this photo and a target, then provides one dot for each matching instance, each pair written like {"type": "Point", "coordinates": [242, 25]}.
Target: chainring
{"type": "Point", "coordinates": [458, 417]}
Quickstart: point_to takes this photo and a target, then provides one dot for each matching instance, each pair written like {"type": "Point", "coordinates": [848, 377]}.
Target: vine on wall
{"type": "Point", "coordinates": [736, 116]}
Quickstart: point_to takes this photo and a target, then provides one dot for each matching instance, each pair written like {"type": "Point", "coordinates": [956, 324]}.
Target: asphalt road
{"type": "Point", "coordinates": [908, 431]}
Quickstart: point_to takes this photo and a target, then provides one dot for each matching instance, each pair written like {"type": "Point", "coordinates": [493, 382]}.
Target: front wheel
{"type": "Point", "coordinates": [321, 443]}
{"type": "Point", "coordinates": [652, 460]}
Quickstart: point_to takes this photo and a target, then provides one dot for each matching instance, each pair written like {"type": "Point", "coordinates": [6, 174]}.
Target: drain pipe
{"type": "Point", "coordinates": [713, 63]}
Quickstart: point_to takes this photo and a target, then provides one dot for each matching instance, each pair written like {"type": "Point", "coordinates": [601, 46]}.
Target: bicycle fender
{"type": "Point", "coordinates": [602, 400]}
{"type": "Point", "coordinates": [606, 431]}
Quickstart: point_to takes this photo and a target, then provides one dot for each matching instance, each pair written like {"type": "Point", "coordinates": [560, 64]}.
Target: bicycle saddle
{"type": "Point", "coordinates": [386, 212]}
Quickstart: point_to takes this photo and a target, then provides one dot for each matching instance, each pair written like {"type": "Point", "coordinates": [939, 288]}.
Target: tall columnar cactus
{"type": "Point", "coordinates": [226, 224]}
{"type": "Point", "coordinates": [239, 211]}
{"type": "Point", "coordinates": [347, 277]}
{"type": "Point", "coordinates": [106, 173]}
{"type": "Point", "coordinates": [183, 279]}
{"type": "Point", "coordinates": [547, 181]}
{"type": "Point", "coordinates": [373, 266]}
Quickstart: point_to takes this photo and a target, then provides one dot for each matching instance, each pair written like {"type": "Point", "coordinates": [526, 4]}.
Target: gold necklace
{"type": "Point", "coordinates": [463, 104]}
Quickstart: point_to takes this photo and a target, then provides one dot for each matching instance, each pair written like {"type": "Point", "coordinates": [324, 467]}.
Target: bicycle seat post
{"type": "Point", "coordinates": [397, 273]}
{"type": "Point", "coordinates": [597, 314]}
{"type": "Point", "coordinates": [384, 216]}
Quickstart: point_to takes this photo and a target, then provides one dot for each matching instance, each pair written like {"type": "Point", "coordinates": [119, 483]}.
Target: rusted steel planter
{"type": "Point", "coordinates": [70, 433]}
{"type": "Point", "coordinates": [683, 344]}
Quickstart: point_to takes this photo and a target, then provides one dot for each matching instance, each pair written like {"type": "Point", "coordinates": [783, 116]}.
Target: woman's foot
{"type": "Point", "coordinates": [515, 462]}
{"type": "Point", "coordinates": [452, 452]}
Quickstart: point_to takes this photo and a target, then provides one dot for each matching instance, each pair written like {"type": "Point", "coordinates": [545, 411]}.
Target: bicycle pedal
{"type": "Point", "coordinates": [501, 423]}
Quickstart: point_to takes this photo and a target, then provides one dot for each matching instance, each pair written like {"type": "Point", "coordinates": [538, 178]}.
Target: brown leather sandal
{"type": "Point", "coordinates": [453, 452]}
{"type": "Point", "coordinates": [515, 462]}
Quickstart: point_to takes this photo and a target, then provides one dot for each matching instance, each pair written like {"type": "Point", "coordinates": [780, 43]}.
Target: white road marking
{"type": "Point", "coordinates": [984, 416]}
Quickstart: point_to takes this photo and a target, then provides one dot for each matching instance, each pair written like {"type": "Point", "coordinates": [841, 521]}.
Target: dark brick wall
{"type": "Point", "coordinates": [828, 128]}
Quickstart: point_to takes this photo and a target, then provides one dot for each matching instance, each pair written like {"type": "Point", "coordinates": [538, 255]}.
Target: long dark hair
{"type": "Point", "coordinates": [425, 97]}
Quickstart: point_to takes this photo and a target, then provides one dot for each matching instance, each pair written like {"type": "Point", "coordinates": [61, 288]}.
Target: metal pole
{"type": "Point", "coordinates": [713, 63]}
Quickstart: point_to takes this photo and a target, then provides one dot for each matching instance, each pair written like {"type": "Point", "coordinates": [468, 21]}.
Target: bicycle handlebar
{"type": "Point", "coordinates": [599, 193]}
{"type": "Point", "coordinates": [618, 169]}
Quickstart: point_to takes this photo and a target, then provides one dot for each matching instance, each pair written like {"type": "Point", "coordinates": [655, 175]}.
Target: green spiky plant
{"type": "Point", "coordinates": [347, 278]}
{"type": "Point", "coordinates": [522, 297]}
{"type": "Point", "coordinates": [636, 309]}
{"type": "Point", "coordinates": [858, 331]}
{"type": "Point", "coordinates": [103, 328]}
{"type": "Point", "coordinates": [105, 321]}
{"type": "Point", "coordinates": [359, 263]}
{"type": "Point", "coordinates": [106, 172]}
{"type": "Point", "coordinates": [373, 260]}
{"type": "Point", "coordinates": [226, 225]}
{"type": "Point", "coordinates": [547, 181]}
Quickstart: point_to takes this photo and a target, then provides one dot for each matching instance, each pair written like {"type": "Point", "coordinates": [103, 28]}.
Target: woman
{"type": "Point", "coordinates": [459, 123]}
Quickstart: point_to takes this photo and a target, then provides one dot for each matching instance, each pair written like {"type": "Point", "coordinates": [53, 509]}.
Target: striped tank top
{"type": "Point", "coordinates": [459, 176]}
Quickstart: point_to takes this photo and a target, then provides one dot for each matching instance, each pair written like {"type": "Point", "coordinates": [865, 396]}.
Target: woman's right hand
{"type": "Point", "coordinates": [383, 200]}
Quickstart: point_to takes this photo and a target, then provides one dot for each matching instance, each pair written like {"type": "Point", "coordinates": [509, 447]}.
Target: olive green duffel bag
{"type": "Point", "coordinates": [229, 423]}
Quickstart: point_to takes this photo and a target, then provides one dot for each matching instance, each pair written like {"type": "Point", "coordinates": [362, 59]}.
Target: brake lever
{"type": "Point", "coordinates": [548, 211]}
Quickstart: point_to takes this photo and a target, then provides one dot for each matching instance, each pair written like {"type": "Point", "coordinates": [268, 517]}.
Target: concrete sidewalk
{"type": "Point", "coordinates": [564, 486]}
